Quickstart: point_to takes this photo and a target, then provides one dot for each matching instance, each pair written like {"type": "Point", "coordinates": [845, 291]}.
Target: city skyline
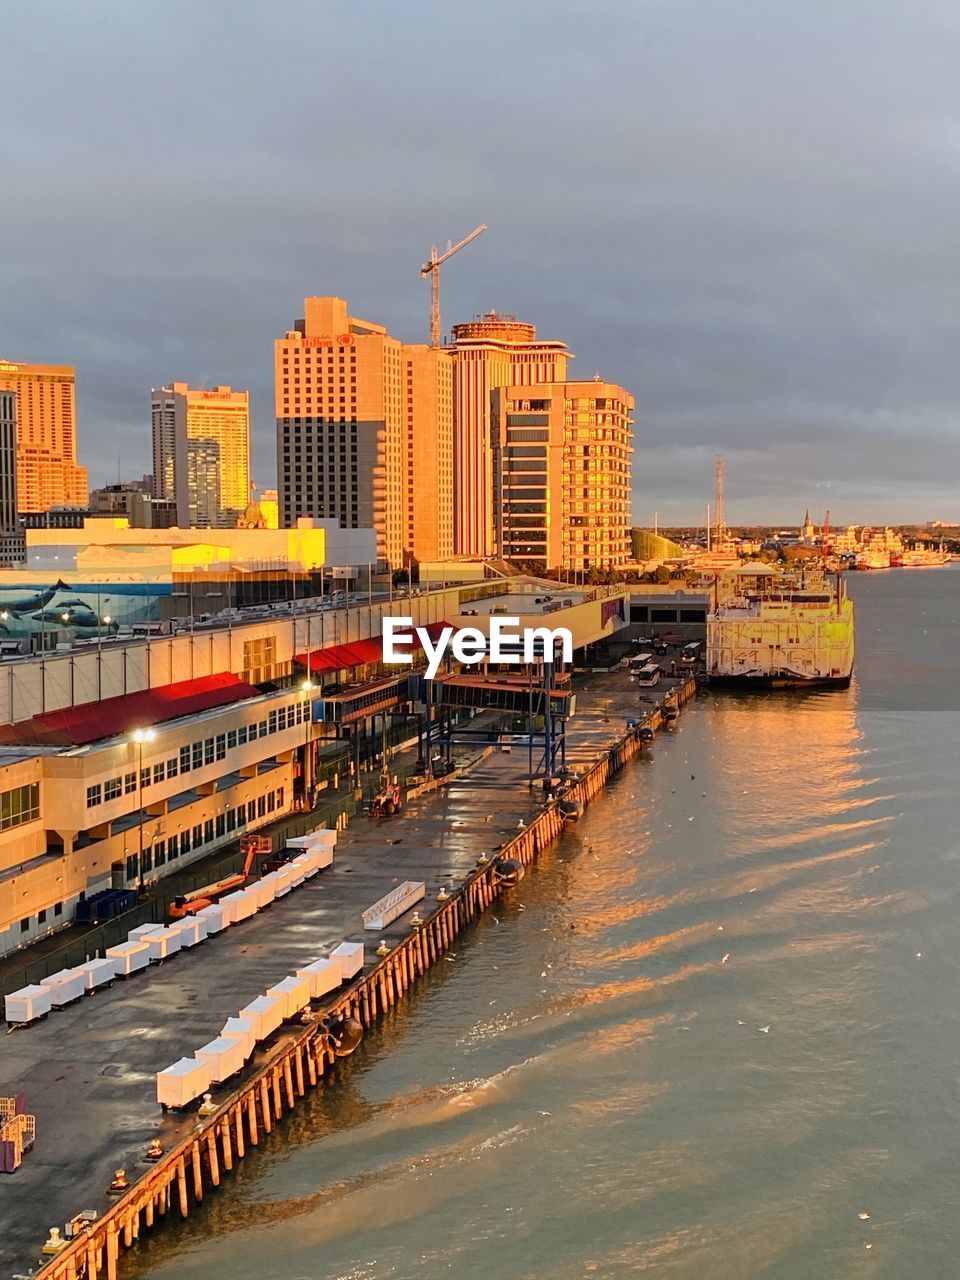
{"type": "Point", "coordinates": [762, 280]}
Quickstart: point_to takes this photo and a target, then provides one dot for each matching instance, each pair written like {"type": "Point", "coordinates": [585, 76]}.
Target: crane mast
{"type": "Point", "coordinates": [432, 267]}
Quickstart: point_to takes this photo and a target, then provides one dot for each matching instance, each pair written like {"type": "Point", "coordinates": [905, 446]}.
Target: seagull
{"type": "Point", "coordinates": [765, 1030]}
{"type": "Point", "coordinates": [863, 1216]}
{"type": "Point", "coordinates": [725, 958]}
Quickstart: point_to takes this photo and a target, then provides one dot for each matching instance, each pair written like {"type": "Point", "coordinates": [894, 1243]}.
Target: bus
{"type": "Point", "coordinates": [649, 675]}
{"type": "Point", "coordinates": [638, 662]}
{"type": "Point", "coordinates": [690, 653]}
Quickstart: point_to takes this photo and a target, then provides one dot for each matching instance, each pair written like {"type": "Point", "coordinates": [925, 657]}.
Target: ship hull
{"type": "Point", "coordinates": [762, 683]}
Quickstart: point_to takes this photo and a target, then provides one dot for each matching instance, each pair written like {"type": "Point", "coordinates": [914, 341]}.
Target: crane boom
{"type": "Point", "coordinates": [432, 269]}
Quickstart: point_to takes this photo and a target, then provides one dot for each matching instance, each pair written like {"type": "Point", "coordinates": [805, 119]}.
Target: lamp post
{"type": "Point", "coordinates": [140, 736]}
{"type": "Point", "coordinates": [104, 621]}
{"type": "Point", "coordinates": [306, 689]}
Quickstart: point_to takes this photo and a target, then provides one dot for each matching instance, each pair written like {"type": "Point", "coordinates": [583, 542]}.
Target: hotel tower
{"type": "Point", "coordinates": [201, 453]}
{"type": "Point", "coordinates": [365, 432]}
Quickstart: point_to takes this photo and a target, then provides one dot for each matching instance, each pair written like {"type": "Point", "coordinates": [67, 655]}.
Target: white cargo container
{"type": "Point", "coordinates": [98, 973]}
{"type": "Point", "coordinates": [225, 1058]}
{"type": "Point", "coordinates": [191, 930]}
{"type": "Point", "coordinates": [264, 891]}
{"type": "Point", "coordinates": [241, 905]}
{"type": "Point", "coordinates": [215, 918]}
{"type": "Point", "coordinates": [323, 975]}
{"type": "Point", "coordinates": [66, 986]}
{"type": "Point", "coordinates": [242, 1029]}
{"type": "Point", "coordinates": [28, 1004]}
{"type": "Point", "coordinates": [293, 994]}
{"type": "Point", "coordinates": [267, 1013]}
{"type": "Point", "coordinates": [129, 957]}
{"type": "Point", "coordinates": [142, 930]}
{"type": "Point", "coordinates": [350, 955]}
{"type": "Point", "coordinates": [162, 945]}
{"type": "Point", "coordinates": [284, 880]}
{"type": "Point", "coordinates": [182, 1082]}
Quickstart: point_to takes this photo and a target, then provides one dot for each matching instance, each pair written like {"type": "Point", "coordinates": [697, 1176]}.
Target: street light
{"type": "Point", "coordinates": [140, 736]}
{"type": "Point", "coordinates": [104, 621]}
{"type": "Point", "coordinates": [306, 688]}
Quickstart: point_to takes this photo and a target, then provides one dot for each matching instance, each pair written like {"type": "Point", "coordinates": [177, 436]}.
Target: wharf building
{"type": "Point", "coordinates": [48, 474]}
{"type": "Point", "coordinates": [561, 474]}
{"type": "Point", "coordinates": [240, 738]}
{"type": "Point", "coordinates": [490, 352]}
{"type": "Point", "coordinates": [365, 432]}
{"type": "Point", "coordinates": [201, 453]}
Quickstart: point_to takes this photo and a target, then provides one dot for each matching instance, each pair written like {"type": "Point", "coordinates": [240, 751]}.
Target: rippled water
{"type": "Point", "coordinates": [723, 1025]}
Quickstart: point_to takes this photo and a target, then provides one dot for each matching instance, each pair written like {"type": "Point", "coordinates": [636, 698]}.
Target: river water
{"type": "Point", "coordinates": [716, 1025]}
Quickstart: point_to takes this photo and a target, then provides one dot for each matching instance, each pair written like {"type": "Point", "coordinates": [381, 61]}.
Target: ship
{"type": "Point", "coordinates": [924, 558]}
{"type": "Point", "coordinates": [770, 630]}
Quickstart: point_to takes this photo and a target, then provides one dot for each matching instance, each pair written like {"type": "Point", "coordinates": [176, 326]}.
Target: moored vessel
{"type": "Point", "coordinates": [768, 630]}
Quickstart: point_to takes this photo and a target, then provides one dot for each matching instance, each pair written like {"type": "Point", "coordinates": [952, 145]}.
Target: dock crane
{"type": "Point", "coordinates": [432, 269]}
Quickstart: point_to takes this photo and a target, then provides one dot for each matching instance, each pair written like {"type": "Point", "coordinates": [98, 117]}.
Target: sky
{"type": "Point", "coordinates": [745, 211]}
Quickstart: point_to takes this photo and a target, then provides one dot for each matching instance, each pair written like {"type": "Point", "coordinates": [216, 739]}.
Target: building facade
{"type": "Point", "coordinates": [48, 474]}
{"type": "Point", "coordinates": [12, 544]}
{"type": "Point", "coordinates": [364, 425]}
{"type": "Point", "coordinates": [489, 352]}
{"type": "Point", "coordinates": [201, 453]}
{"type": "Point", "coordinates": [561, 468]}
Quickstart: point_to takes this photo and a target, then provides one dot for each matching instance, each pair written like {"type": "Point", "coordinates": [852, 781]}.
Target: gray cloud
{"type": "Point", "coordinates": [745, 212]}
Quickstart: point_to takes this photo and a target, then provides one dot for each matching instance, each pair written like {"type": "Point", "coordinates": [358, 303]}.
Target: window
{"type": "Point", "coordinates": [42, 916]}
{"type": "Point", "coordinates": [261, 806]}
{"type": "Point", "coordinates": [185, 841]}
{"type": "Point", "coordinates": [663, 615]}
{"type": "Point", "coordinates": [279, 797]}
{"type": "Point", "coordinates": [160, 853]}
{"type": "Point", "coordinates": [197, 836]}
{"type": "Point", "coordinates": [184, 759]}
{"type": "Point", "coordinates": [158, 771]}
{"type": "Point", "coordinates": [147, 860]}
{"type": "Point", "coordinates": [145, 776]}
{"type": "Point", "coordinates": [112, 788]}
{"type": "Point", "coordinates": [221, 824]}
{"type": "Point", "coordinates": [272, 722]}
{"type": "Point", "coordinates": [208, 751]}
{"type": "Point", "coordinates": [25, 925]}
{"type": "Point", "coordinates": [172, 767]}
{"type": "Point", "coordinates": [271, 800]}
{"type": "Point", "coordinates": [242, 737]}
{"type": "Point", "coordinates": [132, 867]}
{"type": "Point", "coordinates": [231, 739]}
{"type": "Point", "coordinates": [208, 831]}
{"type": "Point", "coordinates": [129, 783]}
{"type": "Point", "coordinates": [263, 728]}
{"type": "Point", "coordinates": [231, 820]}
{"type": "Point", "coordinates": [198, 755]}
{"type": "Point", "coordinates": [282, 718]}
{"type": "Point", "coordinates": [58, 908]}
{"type": "Point", "coordinates": [221, 745]}
{"type": "Point", "coordinates": [93, 796]}
{"type": "Point", "coordinates": [693, 615]}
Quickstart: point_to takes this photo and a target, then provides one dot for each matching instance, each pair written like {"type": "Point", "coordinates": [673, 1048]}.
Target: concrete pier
{"type": "Point", "coordinates": [88, 1071]}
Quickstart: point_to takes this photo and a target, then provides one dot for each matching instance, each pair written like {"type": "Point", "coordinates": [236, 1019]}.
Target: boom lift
{"type": "Point", "coordinates": [188, 904]}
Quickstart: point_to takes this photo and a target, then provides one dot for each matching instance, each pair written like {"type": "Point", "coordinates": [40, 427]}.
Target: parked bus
{"type": "Point", "coordinates": [648, 675]}
{"type": "Point", "coordinates": [638, 662]}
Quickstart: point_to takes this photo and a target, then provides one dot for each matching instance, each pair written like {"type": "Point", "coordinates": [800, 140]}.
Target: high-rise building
{"type": "Point", "coordinates": [364, 428]}
{"type": "Point", "coordinates": [12, 544]}
{"type": "Point", "coordinates": [48, 474]}
{"type": "Point", "coordinates": [561, 463]}
{"type": "Point", "coordinates": [489, 351]}
{"type": "Point", "coordinates": [201, 453]}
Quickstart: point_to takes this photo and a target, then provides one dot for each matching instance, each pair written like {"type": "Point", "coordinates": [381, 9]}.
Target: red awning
{"type": "Point", "coordinates": [114, 717]}
{"type": "Point", "coordinates": [359, 653]}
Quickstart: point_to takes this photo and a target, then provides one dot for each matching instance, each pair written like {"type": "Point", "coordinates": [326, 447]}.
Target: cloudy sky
{"type": "Point", "coordinates": [747, 211]}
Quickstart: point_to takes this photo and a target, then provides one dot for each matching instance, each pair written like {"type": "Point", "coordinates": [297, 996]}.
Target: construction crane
{"type": "Point", "coordinates": [825, 532]}
{"type": "Point", "coordinates": [432, 269]}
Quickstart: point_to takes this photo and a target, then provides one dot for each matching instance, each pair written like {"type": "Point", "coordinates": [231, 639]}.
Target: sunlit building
{"type": "Point", "coordinates": [561, 465]}
{"type": "Point", "coordinates": [48, 474]}
{"type": "Point", "coordinates": [489, 352]}
{"type": "Point", "coordinates": [364, 430]}
{"type": "Point", "coordinates": [201, 453]}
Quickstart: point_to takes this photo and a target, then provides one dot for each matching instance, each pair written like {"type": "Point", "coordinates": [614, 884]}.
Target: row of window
{"type": "Point", "coordinates": [197, 755]}
{"type": "Point", "coordinates": [204, 833]}
{"type": "Point", "coordinates": [26, 922]}
{"type": "Point", "coordinates": [19, 805]}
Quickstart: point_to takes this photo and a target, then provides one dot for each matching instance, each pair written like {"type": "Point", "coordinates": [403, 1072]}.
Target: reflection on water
{"type": "Point", "coordinates": [722, 1027]}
